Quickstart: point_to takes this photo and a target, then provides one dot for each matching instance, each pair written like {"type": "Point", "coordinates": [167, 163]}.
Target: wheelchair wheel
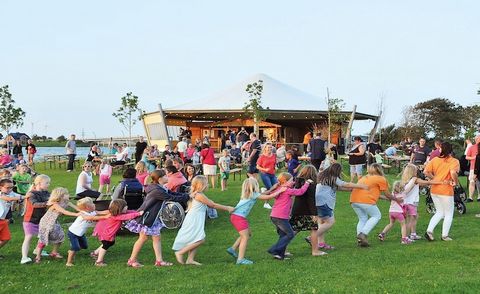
{"type": "Point", "coordinates": [461, 208]}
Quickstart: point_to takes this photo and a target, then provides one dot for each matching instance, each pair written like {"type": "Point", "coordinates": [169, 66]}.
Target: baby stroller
{"type": "Point", "coordinates": [459, 196]}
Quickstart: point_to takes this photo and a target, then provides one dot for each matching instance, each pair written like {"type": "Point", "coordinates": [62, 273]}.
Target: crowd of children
{"type": "Point", "coordinates": [314, 212]}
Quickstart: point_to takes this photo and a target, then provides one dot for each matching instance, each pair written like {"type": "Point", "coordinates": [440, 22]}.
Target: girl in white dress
{"type": "Point", "coordinates": [192, 233]}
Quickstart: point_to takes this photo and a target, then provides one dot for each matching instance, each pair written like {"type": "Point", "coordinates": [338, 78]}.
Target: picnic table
{"type": "Point", "coordinates": [397, 160]}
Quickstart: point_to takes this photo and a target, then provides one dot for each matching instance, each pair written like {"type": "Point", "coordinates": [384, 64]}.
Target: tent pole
{"type": "Point", "coordinates": [349, 128]}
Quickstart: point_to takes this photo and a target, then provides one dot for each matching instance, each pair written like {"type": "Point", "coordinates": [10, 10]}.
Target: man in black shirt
{"type": "Point", "coordinates": [17, 149]}
{"type": "Point", "coordinates": [372, 148]}
{"type": "Point", "coordinates": [316, 147]}
{"type": "Point", "coordinates": [420, 152]}
{"type": "Point", "coordinates": [255, 149]}
{"type": "Point", "coordinates": [140, 146]}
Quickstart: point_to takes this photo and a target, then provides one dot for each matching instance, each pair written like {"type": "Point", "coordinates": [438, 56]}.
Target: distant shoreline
{"type": "Point", "coordinates": [58, 144]}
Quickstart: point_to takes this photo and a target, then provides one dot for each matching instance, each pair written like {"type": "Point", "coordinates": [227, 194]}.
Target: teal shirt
{"type": "Point", "coordinates": [244, 206]}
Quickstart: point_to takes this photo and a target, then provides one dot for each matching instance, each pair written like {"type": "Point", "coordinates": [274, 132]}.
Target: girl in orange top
{"type": "Point", "coordinates": [442, 168]}
{"type": "Point", "coordinates": [364, 202]}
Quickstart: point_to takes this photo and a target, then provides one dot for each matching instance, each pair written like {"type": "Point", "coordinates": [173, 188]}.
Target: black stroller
{"type": "Point", "coordinates": [459, 199]}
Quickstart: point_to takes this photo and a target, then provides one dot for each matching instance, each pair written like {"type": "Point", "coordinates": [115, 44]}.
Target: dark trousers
{"type": "Point", "coordinates": [285, 235]}
{"type": "Point", "coordinates": [88, 193]}
{"type": "Point", "coordinates": [316, 163]}
{"type": "Point", "coordinates": [71, 160]}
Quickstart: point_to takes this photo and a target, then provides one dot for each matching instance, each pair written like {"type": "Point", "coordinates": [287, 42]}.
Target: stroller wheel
{"type": "Point", "coordinates": [461, 208]}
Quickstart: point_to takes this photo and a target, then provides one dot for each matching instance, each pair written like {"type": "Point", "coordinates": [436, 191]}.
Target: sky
{"type": "Point", "coordinates": [68, 63]}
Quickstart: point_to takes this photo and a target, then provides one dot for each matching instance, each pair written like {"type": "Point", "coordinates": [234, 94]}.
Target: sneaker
{"type": "Point", "coordinates": [44, 253]}
{"type": "Point", "coordinates": [478, 199]}
{"type": "Point", "coordinates": [69, 171]}
{"type": "Point", "coordinates": [381, 237]}
{"type": "Point", "coordinates": [429, 236]}
{"type": "Point", "coordinates": [406, 241]}
{"type": "Point", "coordinates": [232, 252]}
{"type": "Point", "coordinates": [244, 261]}
{"type": "Point", "coordinates": [25, 260]}
{"type": "Point", "coordinates": [278, 257]}
{"type": "Point", "coordinates": [415, 237]}
{"type": "Point", "coordinates": [447, 238]}
{"type": "Point", "coordinates": [363, 242]}
{"type": "Point", "coordinates": [267, 205]}
{"type": "Point", "coordinates": [469, 200]}
{"type": "Point", "coordinates": [288, 254]}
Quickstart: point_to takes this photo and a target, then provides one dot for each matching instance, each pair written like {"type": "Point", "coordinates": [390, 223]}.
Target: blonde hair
{"type": "Point", "coordinates": [408, 173]}
{"type": "Point", "coordinates": [85, 203]}
{"type": "Point", "coordinates": [398, 187]}
{"type": "Point", "coordinates": [141, 167]}
{"type": "Point", "coordinates": [376, 169]}
{"type": "Point", "coordinates": [58, 195]}
{"type": "Point", "coordinates": [249, 186]}
{"type": "Point", "coordinates": [264, 149]}
{"type": "Point", "coordinates": [284, 177]}
{"type": "Point", "coordinates": [40, 179]}
{"type": "Point", "coordinates": [199, 184]}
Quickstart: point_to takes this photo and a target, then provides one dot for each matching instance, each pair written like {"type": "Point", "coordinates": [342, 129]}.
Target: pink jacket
{"type": "Point", "coordinates": [106, 229]}
{"type": "Point", "coordinates": [174, 181]}
{"type": "Point", "coordinates": [283, 202]}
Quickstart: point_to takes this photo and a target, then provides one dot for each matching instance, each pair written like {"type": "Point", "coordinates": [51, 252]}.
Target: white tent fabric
{"type": "Point", "coordinates": [276, 95]}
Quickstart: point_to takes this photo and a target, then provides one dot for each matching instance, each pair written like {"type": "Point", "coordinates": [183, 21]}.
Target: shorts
{"type": "Point", "coordinates": [252, 169]}
{"type": "Point", "coordinates": [30, 228]}
{"type": "Point", "coordinates": [4, 230]}
{"type": "Point", "coordinates": [239, 222]}
{"type": "Point", "coordinates": [107, 244]}
{"type": "Point", "coordinates": [471, 175]}
{"type": "Point", "coordinates": [324, 211]}
{"type": "Point", "coordinates": [397, 216]}
{"type": "Point", "coordinates": [411, 209]}
{"type": "Point", "coordinates": [224, 175]}
{"type": "Point", "coordinates": [104, 180]}
{"type": "Point", "coordinates": [77, 242]}
{"type": "Point", "coordinates": [209, 170]}
{"type": "Point", "coordinates": [356, 169]}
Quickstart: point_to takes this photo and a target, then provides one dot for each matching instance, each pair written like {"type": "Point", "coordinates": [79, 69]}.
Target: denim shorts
{"type": "Point", "coordinates": [324, 211]}
{"type": "Point", "coordinates": [77, 242]}
{"type": "Point", "coordinates": [356, 169]}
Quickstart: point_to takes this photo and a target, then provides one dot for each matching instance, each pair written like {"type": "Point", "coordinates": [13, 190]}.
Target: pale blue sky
{"type": "Point", "coordinates": [68, 63]}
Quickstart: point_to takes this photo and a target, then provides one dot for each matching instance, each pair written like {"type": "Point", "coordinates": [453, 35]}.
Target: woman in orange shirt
{"type": "Point", "coordinates": [442, 168]}
{"type": "Point", "coordinates": [364, 202]}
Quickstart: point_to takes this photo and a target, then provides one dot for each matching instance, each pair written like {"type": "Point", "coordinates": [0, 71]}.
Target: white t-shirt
{"type": "Point", "coordinates": [413, 194]}
{"type": "Point", "coordinates": [106, 170]}
{"type": "Point", "coordinates": [6, 205]}
{"type": "Point", "coordinates": [182, 146]}
{"type": "Point", "coordinates": [89, 181]}
{"type": "Point", "coordinates": [394, 205]}
{"type": "Point", "coordinates": [80, 226]}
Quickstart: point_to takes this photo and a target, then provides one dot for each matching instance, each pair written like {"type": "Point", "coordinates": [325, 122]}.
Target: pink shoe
{"type": "Point", "coordinates": [406, 241]}
{"type": "Point", "coordinates": [325, 246]}
{"type": "Point", "coordinates": [134, 263]}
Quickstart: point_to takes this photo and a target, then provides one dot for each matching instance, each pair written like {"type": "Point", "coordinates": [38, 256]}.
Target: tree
{"type": "Point", "coordinates": [61, 138]}
{"type": "Point", "coordinates": [336, 118]}
{"type": "Point", "coordinates": [10, 116]}
{"type": "Point", "coordinates": [470, 120]}
{"type": "Point", "coordinates": [439, 117]}
{"type": "Point", "coordinates": [126, 114]}
{"type": "Point", "coordinates": [254, 107]}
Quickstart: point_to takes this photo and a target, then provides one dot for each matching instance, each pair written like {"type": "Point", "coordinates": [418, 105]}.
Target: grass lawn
{"type": "Point", "coordinates": [386, 267]}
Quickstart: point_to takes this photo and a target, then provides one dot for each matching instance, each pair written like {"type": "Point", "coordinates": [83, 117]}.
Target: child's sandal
{"type": "Point", "coordinates": [37, 260]}
{"type": "Point", "coordinates": [134, 263]}
{"type": "Point", "coordinates": [163, 263]}
{"type": "Point", "coordinates": [55, 255]}
{"type": "Point", "coordinates": [100, 263]}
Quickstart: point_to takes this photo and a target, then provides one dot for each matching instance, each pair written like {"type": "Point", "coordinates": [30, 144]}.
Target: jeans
{"type": "Point", "coordinates": [71, 160]}
{"type": "Point", "coordinates": [363, 211]}
{"type": "Point", "coordinates": [77, 242]}
{"type": "Point", "coordinates": [268, 180]}
{"type": "Point", "coordinates": [444, 206]}
{"type": "Point", "coordinates": [285, 233]}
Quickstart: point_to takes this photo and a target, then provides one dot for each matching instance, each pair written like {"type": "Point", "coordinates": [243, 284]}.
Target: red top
{"type": "Point", "coordinates": [208, 156]}
{"type": "Point", "coordinates": [268, 162]}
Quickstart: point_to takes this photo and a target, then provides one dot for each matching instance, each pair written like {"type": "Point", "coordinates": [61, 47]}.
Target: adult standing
{"type": "Point", "coordinates": [139, 148]}
{"type": "Point", "coordinates": [436, 151]}
{"type": "Point", "coordinates": [254, 154]}
{"type": "Point", "coordinates": [182, 148]}
{"type": "Point", "coordinates": [31, 150]}
{"type": "Point", "coordinates": [471, 154]}
{"type": "Point", "coordinates": [372, 148]}
{"type": "Point", "coordinates": [266, 165]}
{"type": "Point", "coordinates": [420, 152]}
{"type": "Point", "coordinates": [84, 183]}
{"type": "Point", "coordinates": [306, 139]}
{"type": "Point", "coordinates": [188, 134]}
{"type": "Point", "coordinates": [71, 150]}
{"type": "Point", "coordinates": [443, 168]}
{"type": "Point", "coordinates": [242, 137]}
{"type": "Point", "coordinates": [316, 147]}
{"type": "Point", "coordinates": [364, 202]}
{"type": "Point", "coordinates": [17, 149]}
{"type": "Point", "coordinates": [356, 158]}
{"type": "Point", "coordinates": [209, 165]}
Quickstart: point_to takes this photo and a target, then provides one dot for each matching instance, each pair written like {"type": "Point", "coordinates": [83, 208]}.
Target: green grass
{"type": "Point", "coordinates": [384, 267]}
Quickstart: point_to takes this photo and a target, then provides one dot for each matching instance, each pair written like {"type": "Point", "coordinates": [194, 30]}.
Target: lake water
{"type": "Point", "coordinates": [81, 151]}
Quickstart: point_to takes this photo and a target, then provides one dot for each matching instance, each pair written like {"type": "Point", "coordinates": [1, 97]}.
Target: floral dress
{"type": "Point", "coordinates": [50, 231]}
